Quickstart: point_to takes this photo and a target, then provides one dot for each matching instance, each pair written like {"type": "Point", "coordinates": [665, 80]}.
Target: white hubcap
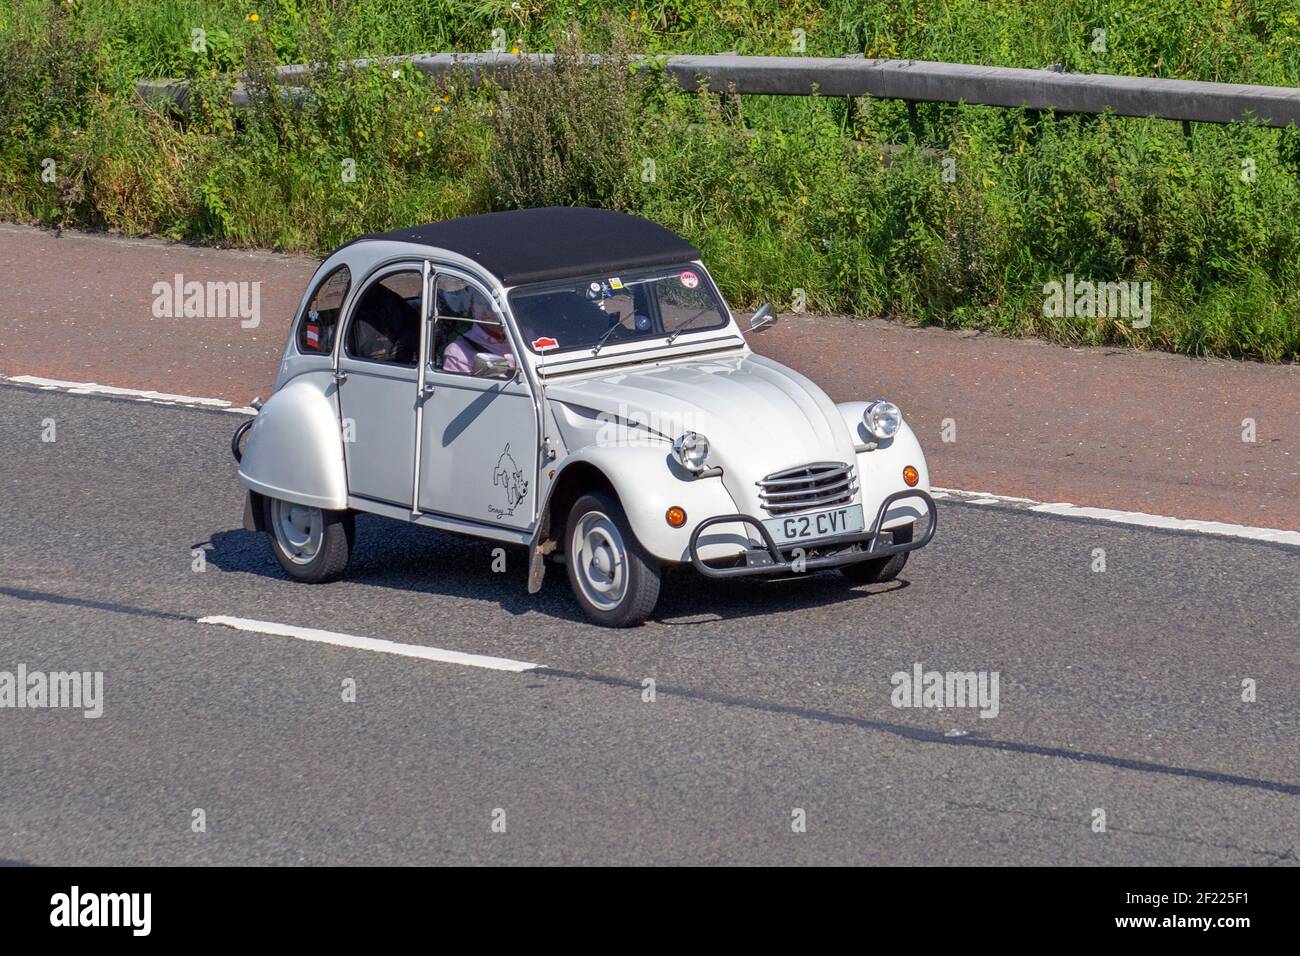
{"type": "Point", "coordinates": [298, 529]}
{"type": "Point", "coordinates": [599, 560]}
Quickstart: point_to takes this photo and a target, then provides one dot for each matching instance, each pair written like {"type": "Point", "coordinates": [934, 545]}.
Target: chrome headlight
{"type": "Point", "coordinates": [883, 419]}
{"type": "Point", "coordinates": [691, 449]}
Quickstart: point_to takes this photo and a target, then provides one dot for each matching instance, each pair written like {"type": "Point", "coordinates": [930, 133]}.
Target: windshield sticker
{"type": "Point", "coordinates": [545, 344]}
{"type": "Point", "coordinates": [689, 279]}
{"type": "Point", "coordinates": [615, 282]}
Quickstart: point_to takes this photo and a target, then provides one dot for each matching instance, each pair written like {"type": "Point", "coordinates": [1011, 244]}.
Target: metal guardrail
{"type": "Point", "coordinates": [912, 80]}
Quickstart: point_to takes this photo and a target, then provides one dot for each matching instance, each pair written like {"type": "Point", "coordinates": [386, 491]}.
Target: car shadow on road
{"type": "Point", "coordinates": [687, 598]}
{"type": "Point", "coordinates": [393, 554]}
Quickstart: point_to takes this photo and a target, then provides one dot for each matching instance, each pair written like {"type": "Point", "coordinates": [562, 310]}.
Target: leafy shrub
{"type": "Point", "coordinates": [566, 136]}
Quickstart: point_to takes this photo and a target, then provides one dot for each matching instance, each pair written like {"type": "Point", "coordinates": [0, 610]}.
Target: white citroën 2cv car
{"type": "Point", "coordinates": [569, 380]}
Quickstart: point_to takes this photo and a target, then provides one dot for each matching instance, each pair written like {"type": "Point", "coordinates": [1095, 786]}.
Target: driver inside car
{"type": "Point", "coordinates": [485, 336]}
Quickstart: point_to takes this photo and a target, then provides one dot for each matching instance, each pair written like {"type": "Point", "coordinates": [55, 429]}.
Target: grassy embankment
{"type": "Point", "coordinates": [844, 201]}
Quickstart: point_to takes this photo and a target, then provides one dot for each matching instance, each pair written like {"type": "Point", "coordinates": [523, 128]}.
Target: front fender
{"type": "Point", "coordinates": [649, 481]}
{"type": "Point", "coordinates": [294, 451]}
{"type": "Point", "coordinates": [880, 471]}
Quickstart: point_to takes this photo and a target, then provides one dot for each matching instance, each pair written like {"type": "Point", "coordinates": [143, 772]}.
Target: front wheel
{"type": "Point", "coordinates": [614, 580]}
{"type": "Point", "coordinates": [880, 570]}
{"type": "Point", "coordinates": [311, 545]}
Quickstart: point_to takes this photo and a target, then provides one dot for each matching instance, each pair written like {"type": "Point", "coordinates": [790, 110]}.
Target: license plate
{"type": "Point", "coordinates": [819, 524]}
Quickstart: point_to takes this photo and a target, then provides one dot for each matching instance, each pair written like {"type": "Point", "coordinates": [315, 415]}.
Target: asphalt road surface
{"type": "Point", "coordinates": [1119, 690]}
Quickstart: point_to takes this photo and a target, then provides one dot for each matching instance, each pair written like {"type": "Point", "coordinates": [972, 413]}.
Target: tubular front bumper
{"type": "Point", "coordinates": [849, 549]}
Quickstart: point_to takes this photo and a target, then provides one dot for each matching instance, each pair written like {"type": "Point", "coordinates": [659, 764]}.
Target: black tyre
{"type": "Point", "coordinates": [880, 570]}
{"type": "Point", "coordinates": [615, 581]}
{"type": "Point", "coordinates": [311, 544]}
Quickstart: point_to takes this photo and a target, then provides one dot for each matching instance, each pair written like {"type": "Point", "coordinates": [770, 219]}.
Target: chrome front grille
{"type": "Point", "coordinates": [820, 485]}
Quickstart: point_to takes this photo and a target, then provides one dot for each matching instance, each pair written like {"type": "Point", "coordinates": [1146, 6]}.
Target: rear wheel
{"type": "Point", "coordinates": [311, 544]}
{"type": "Point", "coordinates": [879, 570]}
{"type": "Point", "coordinates": [615, 581]}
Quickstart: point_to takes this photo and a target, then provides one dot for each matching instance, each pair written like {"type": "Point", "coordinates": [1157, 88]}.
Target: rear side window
{"type": "Point", "coordinates": [321, 320]}
{"type": "Point", "coordinates": [385, 324]}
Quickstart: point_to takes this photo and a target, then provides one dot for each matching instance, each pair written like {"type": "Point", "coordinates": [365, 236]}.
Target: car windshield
{"type": "Point", "coordinates": [599, 311]}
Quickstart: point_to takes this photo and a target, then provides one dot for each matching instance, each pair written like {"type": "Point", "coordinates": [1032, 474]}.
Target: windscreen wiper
{"type": "Point", "coordinates": [681, 326]}
{"type": "Point", "coordinates": [615, 324]}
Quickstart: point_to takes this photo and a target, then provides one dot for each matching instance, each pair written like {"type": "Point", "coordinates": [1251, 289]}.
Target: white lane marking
{"type": "Point", "coordinates": [975, 497]}
{"type": "Point", "coordinates": [138, 394]}
{"type": "Point", "coordinates": [1125, 517]}
{"type": "Point", "coordinates": [372, 644]}
{"type": "Point", "coordinates": [986, 497]}
{"type": "Point", "coordinates": [1175, 524]}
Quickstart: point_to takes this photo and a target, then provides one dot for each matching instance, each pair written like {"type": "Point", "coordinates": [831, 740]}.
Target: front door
{"type": "Point", "coordinates": [479, 444]}
{"type": "Point", "coordinates": [378, 372]}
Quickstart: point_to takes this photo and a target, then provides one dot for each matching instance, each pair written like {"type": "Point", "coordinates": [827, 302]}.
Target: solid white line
{"type": "Point", "coordinates": [139, 394]}
{"type": "Point", "coordinates": [1174, 524]}
{"type": "Point", "coordinates": [972, 497]}
{"type": "Point", "coordinates": [1125, 517]}
{"type": "Point", "coordinates": [372, 644]}
{"type": "Point", "coordinates": [990, 496]}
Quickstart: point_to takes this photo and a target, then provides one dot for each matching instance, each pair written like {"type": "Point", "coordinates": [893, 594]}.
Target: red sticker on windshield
{"type": "Point", "coordinates": [689, 279]}
{"type": "Point", "coordinates": [545, 343]}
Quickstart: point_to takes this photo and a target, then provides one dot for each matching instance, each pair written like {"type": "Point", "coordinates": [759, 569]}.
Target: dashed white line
{"type": "Point", "coordinates": [372, 644]}
{"type": "Point", "coordinates": [1277, 535]}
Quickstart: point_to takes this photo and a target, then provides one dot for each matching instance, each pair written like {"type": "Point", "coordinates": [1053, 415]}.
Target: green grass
{"type": "Point", "coordinates": [843, 206]}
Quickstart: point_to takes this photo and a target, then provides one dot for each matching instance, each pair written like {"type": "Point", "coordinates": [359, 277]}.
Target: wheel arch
{"type": "Point", "coordinates": [645, 481]}
{"type": "Point", "coordinates": [573, 481]}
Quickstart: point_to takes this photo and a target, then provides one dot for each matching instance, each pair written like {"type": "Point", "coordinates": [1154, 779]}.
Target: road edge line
{"type": "Point", "coordinates": [1110, 515]}
{"type": "Point", "coordinates": [135, 394]}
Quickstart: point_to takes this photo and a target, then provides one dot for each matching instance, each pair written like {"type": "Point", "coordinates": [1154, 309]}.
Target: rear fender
{"type": "Point", "coordinates": [294, 451]}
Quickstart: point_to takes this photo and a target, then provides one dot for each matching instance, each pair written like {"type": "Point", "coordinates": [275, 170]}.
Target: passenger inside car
{"type": "Point", "coordinates": [484, 334]}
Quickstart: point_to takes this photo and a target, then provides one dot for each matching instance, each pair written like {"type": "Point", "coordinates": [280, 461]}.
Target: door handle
{"type": "Point", "coordinates": [428, 390]}
{"type": "Point", "coordinates": [340, 376]}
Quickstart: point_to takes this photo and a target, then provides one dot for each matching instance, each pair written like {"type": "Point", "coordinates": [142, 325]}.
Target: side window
{"type": "Point", "coordinates": [385, 325]}
{"type": "Point", "coordinates": [321, 320]}
{"type": "Point", "coordinates": [468, 338]}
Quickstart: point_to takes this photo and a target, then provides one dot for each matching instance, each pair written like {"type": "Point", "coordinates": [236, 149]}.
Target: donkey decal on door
{"type": "Point", "coordinates": [510, 477]}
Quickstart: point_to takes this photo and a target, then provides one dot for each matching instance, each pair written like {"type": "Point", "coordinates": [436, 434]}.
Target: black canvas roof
{"type": "Point", "coordinates": [536, 245]}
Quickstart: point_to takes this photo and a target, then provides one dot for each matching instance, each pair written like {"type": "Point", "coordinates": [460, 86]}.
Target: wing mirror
{"type": "Point", "coordinates": [764, 316]}
{"type": "Point", "coordinates": [487, 365]}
